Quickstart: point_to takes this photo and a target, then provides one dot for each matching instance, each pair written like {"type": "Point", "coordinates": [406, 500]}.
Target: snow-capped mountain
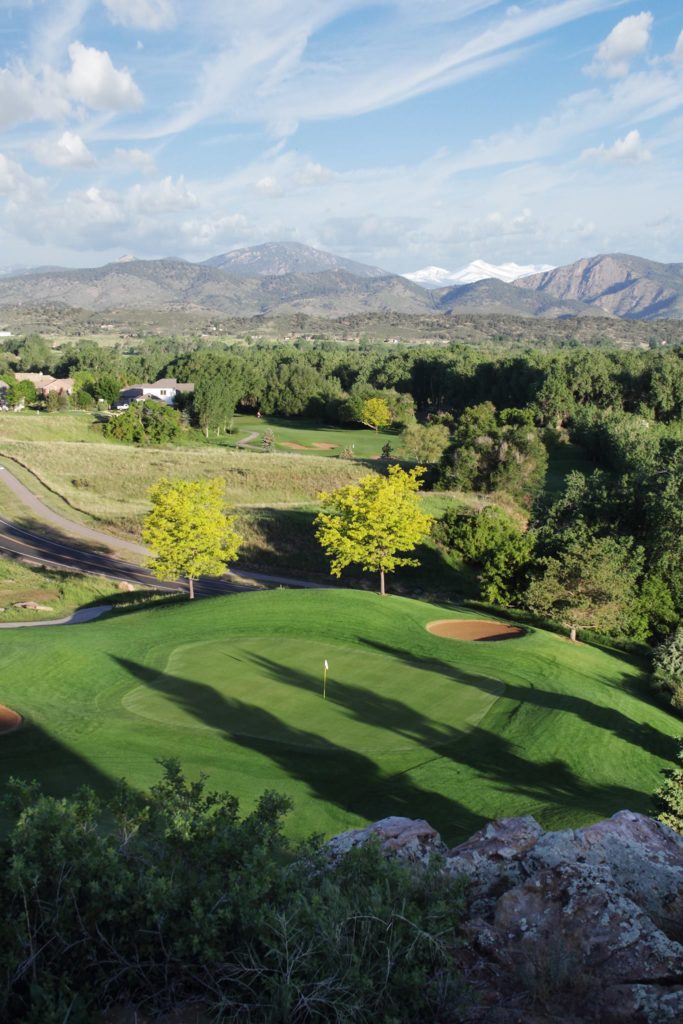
{"type": "Point", "coordinates": [478, 270]}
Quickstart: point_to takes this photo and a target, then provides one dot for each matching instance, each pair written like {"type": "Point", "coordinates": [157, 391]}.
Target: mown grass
{"type": "Point", "coordinates": [413, 725]}
{"type": "Point", "coordinates": [362, 442]}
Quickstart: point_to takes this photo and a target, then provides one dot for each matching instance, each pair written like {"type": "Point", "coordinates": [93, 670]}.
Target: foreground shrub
{"type": "Point", "coordinates": [184, 900]}
{"type": "Point", "coordinates": [669, 797]}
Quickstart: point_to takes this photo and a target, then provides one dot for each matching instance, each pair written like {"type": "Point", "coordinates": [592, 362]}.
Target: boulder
{"type": "Point", "coordinates": [586, 923]}
{"type": "Point", "coordinates": [405, 838]}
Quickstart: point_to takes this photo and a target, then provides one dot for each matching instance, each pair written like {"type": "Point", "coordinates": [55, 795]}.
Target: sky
{"type": "Point", "coordinates": [400, 133]}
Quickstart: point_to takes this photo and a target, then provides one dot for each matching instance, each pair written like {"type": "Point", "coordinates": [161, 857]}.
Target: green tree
{"type": "Point", "coordinates": [668, 667]}
{"type": "Point", "coordinates": [495, 543]}
{"type": "Point", "coordinates": [375, 413]}
{"type": "Point", "coordinates": [213, 403]}
{"type": "Point", "coordinates": [591, 584]}
{"type": "Point", "coordinates": [669, 796]}
{"type": "Point", "coordinates": [370, 522]}
{"type": "Point", "coordinates": [145, 423]}
{"type": "Point", "coordinates": [189, 530]}
{"type": "Point", "coordinates": [425, 443]}
{"type": "Point", "coordinates": [21, 391]}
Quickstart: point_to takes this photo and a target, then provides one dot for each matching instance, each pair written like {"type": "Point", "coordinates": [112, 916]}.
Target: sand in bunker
{"type": "Point", "coordinates": [9, 720]}
{"type": "Point", "coordinates": [473, 629]}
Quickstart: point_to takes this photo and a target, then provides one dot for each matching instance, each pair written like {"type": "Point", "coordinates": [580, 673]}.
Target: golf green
{"type": "Point", "coordinates": [413, 724]}
{"type": "Point", "coordinates": [272, 689]}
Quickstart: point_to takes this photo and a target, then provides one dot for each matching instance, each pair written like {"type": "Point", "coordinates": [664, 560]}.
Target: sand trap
{"type": "Point", "coordinates": [9, 720]}
{"type": "Point", "coordinates": [473, 629]}
{"type": "Point", "coordinates": [317, 446]}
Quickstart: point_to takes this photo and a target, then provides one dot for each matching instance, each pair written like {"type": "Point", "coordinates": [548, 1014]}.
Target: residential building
{"type": "Point", "coordinates": [164, 390]}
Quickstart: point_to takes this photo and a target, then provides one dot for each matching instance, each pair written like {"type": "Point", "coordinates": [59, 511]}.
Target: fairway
{"type": "Point", "coordinates": [271, 689]}
{"type": "Point", "coordinates": [414, 724]}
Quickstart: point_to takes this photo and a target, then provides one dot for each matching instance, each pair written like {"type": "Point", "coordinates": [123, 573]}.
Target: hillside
{"type": "Point", "coordinates": [494, 296]}
{"type": "Point", "coordinates": [273, 259]}
{"type": "Point", "coordinates": [623, 285]}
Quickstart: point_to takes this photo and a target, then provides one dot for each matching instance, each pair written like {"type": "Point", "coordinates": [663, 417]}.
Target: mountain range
{"type": "Point", "coordinates": [292, 278]}
{"type": "Point", "coordinates": [477, 270]}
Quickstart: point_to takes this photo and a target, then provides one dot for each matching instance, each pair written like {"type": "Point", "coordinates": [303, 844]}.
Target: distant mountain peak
{"type": "Point", "coordinates": [274, 259]}
{"type": "Point", "coordinates": [127, 258]}
{"type": "Point", "coordinates": [477, 270]}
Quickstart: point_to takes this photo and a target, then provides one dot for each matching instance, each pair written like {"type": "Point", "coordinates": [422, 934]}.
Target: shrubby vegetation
{"type": "Point", "coordinates": [145, 423]}
{"type": "Point", "coordinates": [180, 899]}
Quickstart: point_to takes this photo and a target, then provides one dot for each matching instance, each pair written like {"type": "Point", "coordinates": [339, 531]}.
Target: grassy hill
{"type": "Point", "coordinates": [414, 724]}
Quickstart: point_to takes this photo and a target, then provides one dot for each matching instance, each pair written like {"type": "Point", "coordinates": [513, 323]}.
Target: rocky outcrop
{"type": "Point", "coordinates": [579, 925]}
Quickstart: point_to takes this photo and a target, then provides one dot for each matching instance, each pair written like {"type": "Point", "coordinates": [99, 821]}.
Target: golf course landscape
{"type": "Point", "coordinates": [413, 723]}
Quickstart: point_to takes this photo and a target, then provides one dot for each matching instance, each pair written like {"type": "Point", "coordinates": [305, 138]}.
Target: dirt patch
{"type": "Point", "coordinates": [474, 629]}
{"type": "Point", "coordinates": [9, 720]}
{"type": "Point", "coordinates": [317, 446]}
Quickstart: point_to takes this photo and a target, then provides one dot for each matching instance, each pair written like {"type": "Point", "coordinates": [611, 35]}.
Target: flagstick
{"type": "Point", "coordinates": [325, 683]}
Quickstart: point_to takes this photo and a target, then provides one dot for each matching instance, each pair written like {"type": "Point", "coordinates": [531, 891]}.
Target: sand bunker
{"type": "Point", "coordinates": [473, 629]}
{"type": "Point", "coordinates": [317, 446]}
{"type": "Point", "coordinates": [9, 720]}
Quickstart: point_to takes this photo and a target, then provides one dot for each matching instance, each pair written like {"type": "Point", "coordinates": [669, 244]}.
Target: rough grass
{"type": "Point", "coordinates": [110, 482]}
{"type": "Point", "coordinates": [63, 592]}
{"type": "Point", "coordinates": [30, 425]}
{"type": "Point", "coordinates": [575, 735]}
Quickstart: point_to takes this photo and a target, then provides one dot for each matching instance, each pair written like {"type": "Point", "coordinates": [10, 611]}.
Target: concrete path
{"type": "Point", "coordinates": [248, 439]}
{"type": "Point", "coordinates": [82, 615]}
{"type": "Point", "coordinates": [74, 529]}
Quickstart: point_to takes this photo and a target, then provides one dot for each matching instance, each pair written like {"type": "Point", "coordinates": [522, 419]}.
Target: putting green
{"type": "Point", "coordinates": [270, 688]}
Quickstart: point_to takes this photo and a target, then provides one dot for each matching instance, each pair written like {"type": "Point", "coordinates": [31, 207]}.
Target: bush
{"type": "Point", "coordinates": [668, 668]}
{"type": "Point", "coordinates": [669, 797]}
{"type": "Point", "coordinates": [184, 900]}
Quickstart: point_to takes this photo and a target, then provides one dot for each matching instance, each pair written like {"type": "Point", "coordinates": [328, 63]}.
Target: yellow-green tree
{"type": "Point", "coordinates": [375, 413]}
{"type": "Point", "coordinates": [372, 522]}
{"type": "Point", "coordinates": [189, 530]}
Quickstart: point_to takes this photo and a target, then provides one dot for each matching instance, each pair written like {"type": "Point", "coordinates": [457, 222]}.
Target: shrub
{"type": "Point", "coordinates": [185, 900]}
{"type": "Point", "coordinates": [668, 668]}
{"type": "Point", "coordinates": [669, 797]}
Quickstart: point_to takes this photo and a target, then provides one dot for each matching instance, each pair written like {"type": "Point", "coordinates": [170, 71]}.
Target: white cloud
{"type": "Point", "coordinates": [95, 81]}
{"type": "Point", "coordinates": [69, 150]}
{"type": "Point", "coordinates": [626, 41]}
{"type": "Point", "coordinates": [149, 14]}
{"type": "Point", "coordinates": [28, 97]}
{"type": "Point", "coordinates": [629, 149]}
{"type": "Point", "coordinates": [678, 50]}
{"type": "Point", "coordinates": [268, 186]}
{"type": "Point", "coordinates": [138, 159]}
{"type": "Point", "coordinates": [15, 183]}
{"type": "Point", "coordinates": [165, 196]}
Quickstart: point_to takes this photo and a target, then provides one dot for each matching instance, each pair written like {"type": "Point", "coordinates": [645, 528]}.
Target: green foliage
{"type": "Point", "coordinates": [215, 396]}
{"type": "Point", "coordinates": [375, 413]}
{"type": "Point", "coordinates": [495, 451]}
{"type": "Point", "coordinates": [188, 530]}
{"type": "Point", "coordinates": [425, 443]}
{"type": "Point", "coordinates": [21, 391]}
{"type": "Point", "coordinates": [145, 423]}
{"type": "Point", "coordinates": [669, 796]}
{"type": "Point", "coordinates": [668, 667]}
{"type": "Point", "coordinates": [181, 899]}
{"type": "Point", "coordinates": [592, 584]}
{"type": "Point", "coordinates": [369, 523]}
{"type": "Point", "coordinates": [494, 542]}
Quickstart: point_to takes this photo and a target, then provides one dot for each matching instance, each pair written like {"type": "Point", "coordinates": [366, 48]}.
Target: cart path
{"type": "Point", "coordinates": [81, 615]}
{"type": "Point", "coordinates": [61, 555]}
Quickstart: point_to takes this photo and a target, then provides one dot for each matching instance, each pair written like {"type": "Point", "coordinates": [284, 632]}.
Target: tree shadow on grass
{"type": "Point", "coordinates": [347, 779]}
{"type": "Point", "coordinates": [638, 734]}
{"type": "Point", "coordinates": [354, 782]}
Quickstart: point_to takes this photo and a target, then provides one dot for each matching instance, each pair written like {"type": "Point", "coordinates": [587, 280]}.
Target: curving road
{"type": "Point", "coordinates": [65, 553]}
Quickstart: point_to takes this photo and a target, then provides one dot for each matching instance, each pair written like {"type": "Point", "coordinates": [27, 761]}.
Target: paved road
{"type": "Point", "coordinates": [66, 553]}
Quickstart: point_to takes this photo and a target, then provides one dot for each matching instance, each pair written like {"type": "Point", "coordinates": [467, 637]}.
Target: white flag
{"type": "Point", "coordinates": [326, 665]}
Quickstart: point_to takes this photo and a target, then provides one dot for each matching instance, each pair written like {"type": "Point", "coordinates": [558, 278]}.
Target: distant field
{"type": "Point", "coordinates": [413, 724]}
{"type": "Point", "coordinates": [41, 426]}
{"type": "Point", "coordinates": [308, 437]}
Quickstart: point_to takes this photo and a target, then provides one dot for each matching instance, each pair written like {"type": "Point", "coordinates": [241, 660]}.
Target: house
{"type": "Point", "coordinates": [164, 390]}
{"type": "Point", "coordinates": [45, 384]}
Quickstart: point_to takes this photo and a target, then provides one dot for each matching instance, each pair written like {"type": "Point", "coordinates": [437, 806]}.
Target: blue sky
{"type": "Point", "coordinates": [401, 133]}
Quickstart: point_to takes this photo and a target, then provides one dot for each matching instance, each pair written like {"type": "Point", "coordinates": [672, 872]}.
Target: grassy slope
{"type": "Point", "coordinates": [367, 444]}
{"type": "Point", "coordinates": [574, 737]}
